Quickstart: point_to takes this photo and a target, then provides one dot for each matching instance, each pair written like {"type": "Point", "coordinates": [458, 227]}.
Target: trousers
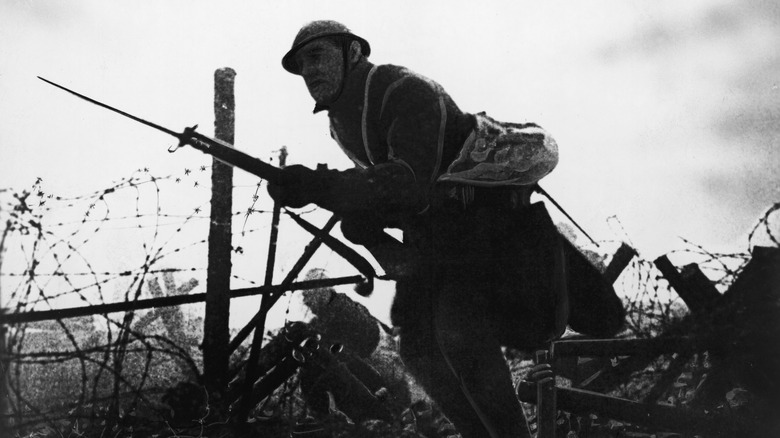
{"type": "Point", "coordinates": [489, 278]}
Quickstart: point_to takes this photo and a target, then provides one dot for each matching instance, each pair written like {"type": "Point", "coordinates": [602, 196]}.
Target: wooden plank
{"type": "Point", "coordinates": [177, 300]}
{"type": "Point", "coordinates": [622, 347]}
{"type": "Point", "coordinates": [308, 252]}
{"type": "Point", "coordinates": [691, 285]}
{"type": "Point", "coordinates": [663, 417]}
{"type": "Point", "coordinates": [620, 260]}
{"type": "Point", "coordinates": [703, 291]}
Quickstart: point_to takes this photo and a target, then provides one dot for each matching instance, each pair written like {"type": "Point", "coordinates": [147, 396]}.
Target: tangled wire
{"type": "Point", "coordinates": [112, 245]}
{"type": "Point", "coordinates": [110, 371]}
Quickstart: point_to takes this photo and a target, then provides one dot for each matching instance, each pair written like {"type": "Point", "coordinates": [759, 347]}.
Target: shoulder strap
{"type": "Point", "coordinates": [364, 119]}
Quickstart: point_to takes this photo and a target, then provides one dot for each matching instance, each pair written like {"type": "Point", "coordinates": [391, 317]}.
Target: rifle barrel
{"type": "Point", "coordinates": [226, 153]}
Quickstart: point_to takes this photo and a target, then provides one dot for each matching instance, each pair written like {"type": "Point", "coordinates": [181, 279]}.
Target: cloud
{"type": "Point", "coordinates": [753, 118]}
{"type": "Point", "coordinates": [667, 29]}
{"type": "Point", "coordinates": [47, 14]}
{"type": "Point", "coordinates": [716, 68]}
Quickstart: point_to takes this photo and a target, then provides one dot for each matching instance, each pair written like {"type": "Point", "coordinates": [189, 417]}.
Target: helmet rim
{"type": "Point", "coordinates": [288, 60]}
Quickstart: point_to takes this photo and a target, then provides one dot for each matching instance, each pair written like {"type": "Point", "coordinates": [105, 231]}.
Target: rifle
{"type": "Point", "coordinates": [226, 153]}
{"type": "Point", "coordinates": [388, 251]}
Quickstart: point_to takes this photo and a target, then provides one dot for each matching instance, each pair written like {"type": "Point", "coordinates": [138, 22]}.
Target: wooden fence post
{"type": "Point", "coordinates": [4, 362]}
{"type": "Point", "coordinates": [620, 260]}
{"type": "Point", "coordinates": [265, 307]}
{"type": "Point", "coordinates": [691, 285]}
{"type": "Point", "coordinates": [546, 409]}
{"type": "Point", "coordinates": [216, 334]}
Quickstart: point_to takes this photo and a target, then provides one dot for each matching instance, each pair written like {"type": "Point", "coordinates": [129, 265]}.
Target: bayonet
{"type": "Point", "coordinates": [218, 149]}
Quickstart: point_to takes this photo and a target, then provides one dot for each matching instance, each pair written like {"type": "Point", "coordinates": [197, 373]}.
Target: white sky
{"type": "Point", "coordinates": [665, 112]}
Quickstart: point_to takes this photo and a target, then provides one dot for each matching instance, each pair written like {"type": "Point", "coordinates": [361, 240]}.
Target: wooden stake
{"type": "Point", "coordinates": [215, 326]}
{"type": "Point", "coordinates": [546, 411]}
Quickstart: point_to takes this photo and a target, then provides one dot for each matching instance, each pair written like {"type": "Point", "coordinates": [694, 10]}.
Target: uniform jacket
{"type": "Point", "coordinates": [401, 129]}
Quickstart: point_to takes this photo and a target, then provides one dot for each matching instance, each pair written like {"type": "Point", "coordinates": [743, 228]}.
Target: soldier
{"type": "Point", "coordinates": [479, 266]}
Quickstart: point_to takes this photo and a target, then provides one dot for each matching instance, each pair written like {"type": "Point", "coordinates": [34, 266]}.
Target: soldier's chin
{"type": "Point", "coordinates": [321, 96]}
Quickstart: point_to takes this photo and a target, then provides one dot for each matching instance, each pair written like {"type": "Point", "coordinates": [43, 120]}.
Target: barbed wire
{"type": "Point", "coordinates": [652, 305]}
{"type": "Point", "coordinates": [55, 251]}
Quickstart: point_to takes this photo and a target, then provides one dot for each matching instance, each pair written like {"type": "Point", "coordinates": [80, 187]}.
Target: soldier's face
{"type": "Point", "coordinates": [322, 66]}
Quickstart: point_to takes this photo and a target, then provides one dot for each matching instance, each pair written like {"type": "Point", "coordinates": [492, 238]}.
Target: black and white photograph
{"type": "Point", "coordinates": [412, 219]}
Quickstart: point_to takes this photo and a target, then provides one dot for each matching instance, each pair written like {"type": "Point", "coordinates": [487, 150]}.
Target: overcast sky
{"type": "Point", "coordinates": [665, 112]}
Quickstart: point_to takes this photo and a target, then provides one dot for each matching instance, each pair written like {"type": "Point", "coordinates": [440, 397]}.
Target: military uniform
{"type": "Point", "coordinates": [488, 266]}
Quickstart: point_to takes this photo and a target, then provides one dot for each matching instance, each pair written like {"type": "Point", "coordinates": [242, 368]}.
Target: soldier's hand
{"type": "Point", "coordinates": [526, 388]}
{"type": "Point", "coordinates": [298, 187]}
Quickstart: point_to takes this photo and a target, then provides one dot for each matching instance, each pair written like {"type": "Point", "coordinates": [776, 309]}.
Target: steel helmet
{"type": "Point", "coordinates": [315, 30]}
